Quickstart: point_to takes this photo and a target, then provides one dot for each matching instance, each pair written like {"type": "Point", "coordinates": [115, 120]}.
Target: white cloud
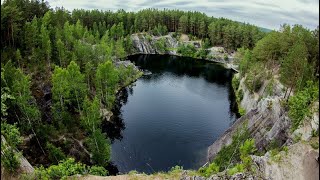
{"type": "Point", "coordinates": [270, 13]}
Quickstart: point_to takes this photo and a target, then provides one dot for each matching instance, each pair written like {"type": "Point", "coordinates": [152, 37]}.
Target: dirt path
{"type": "Point", "coordinates": [184, 37]}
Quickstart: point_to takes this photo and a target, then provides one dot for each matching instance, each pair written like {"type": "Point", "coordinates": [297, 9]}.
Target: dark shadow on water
{"type": "Point", "coordinates": [115, 126]}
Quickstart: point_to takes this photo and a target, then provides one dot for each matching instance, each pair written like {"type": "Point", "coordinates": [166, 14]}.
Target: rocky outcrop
{"type": "Point", "coordinates": [25, 166]}
{"type": "Point", "coordinates": [142, 44]}
{"type": "Point", "coordinates": [146, 44]}
{"type": "Point", "coordinates": [310, 125]}
{"type": "Point", "coordinates": [298, 163]}
{"type": "Point", "coordinates": [266, 121]}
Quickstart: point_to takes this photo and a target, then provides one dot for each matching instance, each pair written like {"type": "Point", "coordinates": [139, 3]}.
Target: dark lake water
{"type": "Point", "coordinates": [170, 117]}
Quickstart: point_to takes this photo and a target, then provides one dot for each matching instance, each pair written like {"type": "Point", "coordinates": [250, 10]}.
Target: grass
{"type": "Point", "coordinates": [314, 144]}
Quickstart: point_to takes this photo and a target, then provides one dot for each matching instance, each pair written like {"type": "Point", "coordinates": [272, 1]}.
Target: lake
{"type": "Point", "coordinates": [171, 116]}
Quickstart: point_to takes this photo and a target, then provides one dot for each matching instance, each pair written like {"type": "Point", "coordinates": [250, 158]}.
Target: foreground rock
{"type": "Point", "coordinates": [299, 163]}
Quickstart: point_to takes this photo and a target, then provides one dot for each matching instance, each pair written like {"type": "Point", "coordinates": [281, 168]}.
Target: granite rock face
{"type": "Point", "coordinates": [265, 119]}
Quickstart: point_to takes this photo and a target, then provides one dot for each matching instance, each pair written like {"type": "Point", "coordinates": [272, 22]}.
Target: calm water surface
{"type": "Point", "coordinates": [170, 117]}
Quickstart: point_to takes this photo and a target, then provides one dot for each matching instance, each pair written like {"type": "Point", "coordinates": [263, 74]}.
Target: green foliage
{"type": "Point", "coordinates": [295, 66]}
{"type": "Point", "coordinates": [10, 159]}
{"type": "Point", "coordinates": [23, 104]}
{"type": "Point", "coordinates": [106, 81]}
{"type": "Point", "coordinates": [245, 61]}
{"type": "Point", "coordinates": [242, 111]}
{"type": "Point", "coordinates": [275, 155]}
{"type": "Point", "coordinates": [255, 77]}
{"type": "Point", "coordinates": [235, 83]}
{"type": "Point", "coordinates": [231, 153]}
{"type": "Point", "coordinates": [208, 171]}
{"type": "Point", "coordinates": [224, 157]}
{"type": "Point", "coordinates": [269, 88]}
{"type": "Point", "coordinates": [315, 133]}
{"type": "Point", "coordinates": [267, 48]}
{"type": "Point", "coordinates": [160, 30]}
{"type": "Point", "coordinates": [274, 144]}
{"type": "Point", "coordinates": [98, 171]}
{"type": "Point", "coordinates": [55, 153]}
{"type": "Point", "coordinates": [11, 134]}
{"type": "Point", "coordinates": [90, 116]}
{"type": "Point", "coordinates": [247, 148]}
{"type": "Point", "coordinates": [315, 145]}
{"type": "Point", "coordinates": [119, 49]}
{"type": "Point", "coordinates": [285, 149]}
{"type": "Point", "coordinates": [69, 89]}
{"type": "Point", "coordinates": [99, 146]}
{"type": "Point", "coordinates": [299, 102]}
{"type": "Point", "coordinates": [201, 53]}
{"type": "Point", "coordinates": [187, 50]}
{"type": "Point", "coordinates": [236, 169]}
{"type": "Point", "coordinates": [64, 169]}
{"type": "Point", "coordinates": [176, 169]}
{"type": "Point", "coordinates": [5, 96]}
{"type": "Point", "coordinates": [160, 45]}
{"type": "Point", "coordinates": [239, 96]}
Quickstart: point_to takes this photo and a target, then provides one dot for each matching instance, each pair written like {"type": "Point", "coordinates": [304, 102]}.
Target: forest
{"type": "Point", "coordinates": [70, 60]}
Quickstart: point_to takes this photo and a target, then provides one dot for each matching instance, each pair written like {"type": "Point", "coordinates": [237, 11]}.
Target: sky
{"type": "Point", "coordinates": [264, 13]}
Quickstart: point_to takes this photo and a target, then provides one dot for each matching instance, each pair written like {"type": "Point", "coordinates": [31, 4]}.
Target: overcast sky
{"type": "Point", "coordinates": [265, 13]}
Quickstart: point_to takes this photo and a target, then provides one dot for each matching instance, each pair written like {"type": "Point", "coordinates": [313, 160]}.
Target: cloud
{"type": "Point", "coordinates": [270, 14]}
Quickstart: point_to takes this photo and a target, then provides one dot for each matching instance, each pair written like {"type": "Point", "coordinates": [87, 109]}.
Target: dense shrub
{"type": "Point", "coordinates": [239, 96]}
{"type": "Point", "coordinates": [187, 50]}
{"type": "Point", "coordinates": [235, 83]}
{"type": "Point", "coordinates": [55, 153]}
{"type": "Point", "coordinates": [242, 111]}
{"type": "Point", "coordinates": [211, 169]}
{"type": "Point", "coordinates": [98, 170]}
{"type": "Point", "coordinates": [161, 45]}
{"type": "Point", "coordinates": [233, 154]}
{"type": "Point", "coordinates": [65, 168]}
{"type": "Point", "coordinates": [9, 157]}
{"type": "Point", "coordinates": [255, 77]}
{"type": "Point", "coordinates": [160, 30]}
{"type": "Point", "coordinates": [202, 53]}
{"type": "Point", "coordinates": [299, 104]}
{"type": "Point", "coordinates": [236, 169]}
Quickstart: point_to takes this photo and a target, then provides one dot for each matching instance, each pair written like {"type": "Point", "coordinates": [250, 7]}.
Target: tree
{"type": "Point", "coordinates": [90, 117]}
{"type": "Point", "coordinates": [292, 66]}
{"type": "Point", "coordinates": [106, 79]}
{"type": "Point", "coordinates": [183, 24]}
{"type": "Point", "coordinates": [192, 25]}
{"type": "Point", "coordinates": [61, 52]}
{"type": "Point", "coordinates": [45, 43]}
{"type": "Point", "coordinates": [99, 146]}
{"type": "Point", "coordinates": [119, 49]}
{"type": "Point", "coordinates": [60, 90]}
{"type": "Point", "coordinates": [202, 29]}
{"type": "Point", "coordinates": [76, 82]}
{"type": "Point", "coordinates": [31, 36]}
